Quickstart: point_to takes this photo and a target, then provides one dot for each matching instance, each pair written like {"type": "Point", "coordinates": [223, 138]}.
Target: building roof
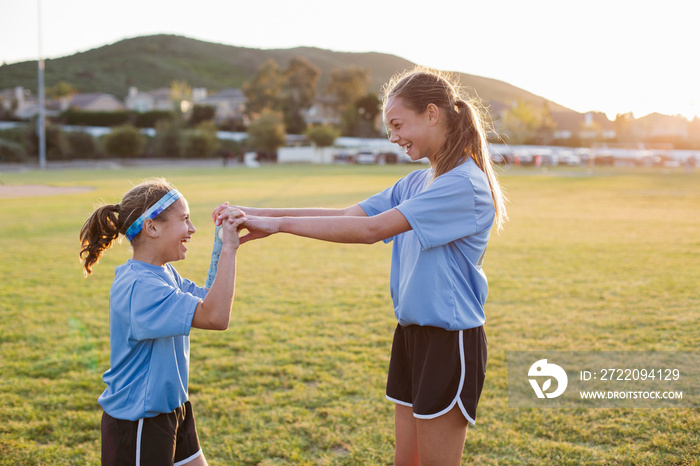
{"type": "Point", "coordinates": [230, 93]}
{"type": "Point", "coordinates": [83, 100]}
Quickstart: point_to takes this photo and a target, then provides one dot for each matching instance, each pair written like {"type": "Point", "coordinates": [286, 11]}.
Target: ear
{"type": "Point", "coordinates": [150, 228]}
{"type": "Point", "coordinates": [432, 114]}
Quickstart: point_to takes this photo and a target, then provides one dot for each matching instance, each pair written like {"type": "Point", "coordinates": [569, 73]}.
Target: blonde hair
{"type": "Point", "coordinates": [107, 222]}
{"type": "Point", "coordinates": [466, 133]}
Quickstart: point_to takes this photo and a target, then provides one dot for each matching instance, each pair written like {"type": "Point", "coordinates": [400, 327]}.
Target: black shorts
{"type": "Point", "coordinates": [432, 369]}
{"type": "Point", "coordinates": [167, 439]}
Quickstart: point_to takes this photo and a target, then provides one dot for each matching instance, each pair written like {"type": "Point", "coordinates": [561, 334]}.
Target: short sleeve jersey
{"type": "Point", "coordinates": [436, 267]}
{"type": "Point", "coordinates": [151, 311]}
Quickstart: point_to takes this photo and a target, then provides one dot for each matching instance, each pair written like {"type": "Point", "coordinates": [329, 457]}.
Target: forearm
{"type": "Point", "coordinates": [215, 312]}
{"type": "Point", "coordinates": [363, 230]}
{"type": "Point", "coordinates": [354, 227]}
{"type": "Point", "coordinates": [300, 212]}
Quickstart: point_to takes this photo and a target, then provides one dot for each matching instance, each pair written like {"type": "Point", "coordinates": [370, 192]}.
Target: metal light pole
{"type": "Point", "coordinates": [41, 118]}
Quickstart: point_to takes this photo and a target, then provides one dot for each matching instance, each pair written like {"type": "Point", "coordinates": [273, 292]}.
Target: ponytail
{"type": "Point", "coordinates": [109, 221]}
{"type": "Point", "coordinates": [98, 234]}
{"type": "Point", "coordinates": [466, 132]}
{"type": "Point", "coordinates": [470, 132]}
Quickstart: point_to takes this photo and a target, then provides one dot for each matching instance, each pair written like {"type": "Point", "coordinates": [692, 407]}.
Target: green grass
{"type": "Point", "coordinates": [603, 261]}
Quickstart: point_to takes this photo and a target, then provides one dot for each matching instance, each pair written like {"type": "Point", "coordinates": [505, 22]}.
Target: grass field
{"type": "Point", "coordinates": [601, 261]}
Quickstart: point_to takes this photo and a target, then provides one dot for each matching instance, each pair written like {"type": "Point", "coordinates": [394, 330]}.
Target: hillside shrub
{"type": "Point", "coordinates": [202, 113]}
{"type": "Point", "coordinates": [150, 119]}
{"type": "Point", "coordinates": [54, 143]}
{"type": "Point", "coordinates": [124, 142]}
{"type": "Point", "coordinates": [81, 145]}
{"type": "Point", "coordinates": [322, 136]}
{"type": "Point", "coordinates": [266, 133]}
{"type": "Point", "coordinates": [169, 140]}
{"type": "Point", "coordinates": [81, 118]}
{"type": "Point", "coordinates": [202, 141]}
{"type": "Point", "coordinates": [12, 152]}
{"type": "Point", "coordinates": [18, 134]}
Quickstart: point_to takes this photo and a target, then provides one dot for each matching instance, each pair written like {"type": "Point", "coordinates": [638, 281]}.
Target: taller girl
{"type": "Point", "coordinates": [439, 220]}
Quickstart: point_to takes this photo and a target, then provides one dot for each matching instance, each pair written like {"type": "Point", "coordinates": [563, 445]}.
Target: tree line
{"type": "Point", "coordinates": [276, 101]}
{"type": "Point", "coordinates": [527, 123]}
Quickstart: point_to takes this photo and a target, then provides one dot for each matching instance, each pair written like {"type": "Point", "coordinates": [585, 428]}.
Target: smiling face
{"type": "Point", "coordinates": [419, 134]}
{"type": "Point", "coordinates": [174, 232]}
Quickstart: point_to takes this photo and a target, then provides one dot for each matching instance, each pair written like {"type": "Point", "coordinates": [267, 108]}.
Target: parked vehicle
{"type": "Point", "coordinates": [365, 158]}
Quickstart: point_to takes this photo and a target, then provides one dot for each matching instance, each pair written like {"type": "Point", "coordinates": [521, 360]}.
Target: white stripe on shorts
{"type": "Point", "coordinates": [399, 402]}
{"type": "Point", "coordinates": [187, 460]}
{"type": "Point", "coordinates": [138, 443]}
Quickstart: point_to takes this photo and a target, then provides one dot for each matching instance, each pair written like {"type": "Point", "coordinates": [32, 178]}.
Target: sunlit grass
{"type": "Point", "coordinates": [603, 261]}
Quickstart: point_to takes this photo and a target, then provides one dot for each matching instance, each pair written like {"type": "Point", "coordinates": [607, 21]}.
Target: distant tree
{"type": "Point", "coordinates": [201, 113]}
{"type": "Point", "coordinates": [124, 142]}
{"type": "Point", "coordinates": [298, 92]}
{"type": "Point", "coordinates": [348, 85]}
{"type": "Point", "coordinates": [202, 141]}
{"type": "Point", "coordinates": [368, 106]}
{"type": "Point", "coordinates": [151, 118]}
{"type": "Point", "coordinates": [168, 141]}
{"type": "Point", "coordinates": [624, 127]}
{"type": "Point", "coordinates": [359, 119]}
{"type": "Point", "coordinates": [61, 90]}
{"type": "Point", "coordinates": [520, 122]}
{"type": "Point", "coordinates": [544, 132]}
{"type": "Point", "coordinates": [263, 91]}
{"type": "Point", "coordinates": [11, 151]}
{"type": "Point", "coordinates": [54, 141]}
{"type": "Point", "coordinates": [322, 136]}
{"type": "Point", "coordinates": [266, 133]}
{"type": "Point", "coordinates": [80, 145]}
{"type": "Point", "coordinates": [89, 118]}
{"type": "Point", "coordinates": [181, 95]}
{"type": "Point", "coordinates": [694, 133]}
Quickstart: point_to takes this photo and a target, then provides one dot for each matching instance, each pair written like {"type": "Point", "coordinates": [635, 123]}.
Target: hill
{"type": "Point", "coordinates": [152, 62]}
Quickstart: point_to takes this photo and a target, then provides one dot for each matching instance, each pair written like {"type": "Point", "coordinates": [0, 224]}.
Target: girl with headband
{"type": "Point", "coordinates": [439, 220]}
{"type": "Point", "coordinates": [147, 417]}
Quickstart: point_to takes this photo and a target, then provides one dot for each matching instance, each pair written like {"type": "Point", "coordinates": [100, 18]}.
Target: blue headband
{"type": "Point", "coordinates": [153, 211]}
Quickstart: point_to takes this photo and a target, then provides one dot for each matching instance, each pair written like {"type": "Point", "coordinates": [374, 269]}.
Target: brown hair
{"type": "Point", "coordinates": [108, 221]}
{"type": "Point", "coordinates": [466, 135]}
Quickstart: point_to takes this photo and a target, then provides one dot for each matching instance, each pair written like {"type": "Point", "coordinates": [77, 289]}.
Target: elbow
{"type": "Point", "coordinates": [220, 324]}
{"type": "Point", "coordinates": [212, 316]}
{"type": "Point", "coordinates": [217, 321]}
{"type": "Point", "coordinates": [372, 235]}
{"type": "Point", "coordinates": [222, 327]}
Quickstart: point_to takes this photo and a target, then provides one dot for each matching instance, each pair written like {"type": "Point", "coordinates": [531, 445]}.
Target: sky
{"type": "Point", "coordinates": [613, 56]}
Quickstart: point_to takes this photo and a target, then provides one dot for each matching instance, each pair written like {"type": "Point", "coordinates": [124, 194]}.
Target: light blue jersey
{"type": "Point", "coordinates": [436, 275]}
{"type": "Point", "coordinates": [151, 311]}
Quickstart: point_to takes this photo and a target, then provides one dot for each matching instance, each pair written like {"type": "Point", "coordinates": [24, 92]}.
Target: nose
{"type": "Point", "coordinates": [393, 138]}
{"type": "Point", "coordinates": [191, 228]}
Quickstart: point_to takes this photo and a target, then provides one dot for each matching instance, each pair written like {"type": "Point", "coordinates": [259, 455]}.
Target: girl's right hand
{"type": "Point", "coordinates": [231, 220]}
{"type": "Point", "coordinates": [259, 227]}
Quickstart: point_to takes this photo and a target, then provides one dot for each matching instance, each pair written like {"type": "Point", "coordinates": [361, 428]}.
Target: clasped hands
{"type": "Point", "coordinates": [256, 227]}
